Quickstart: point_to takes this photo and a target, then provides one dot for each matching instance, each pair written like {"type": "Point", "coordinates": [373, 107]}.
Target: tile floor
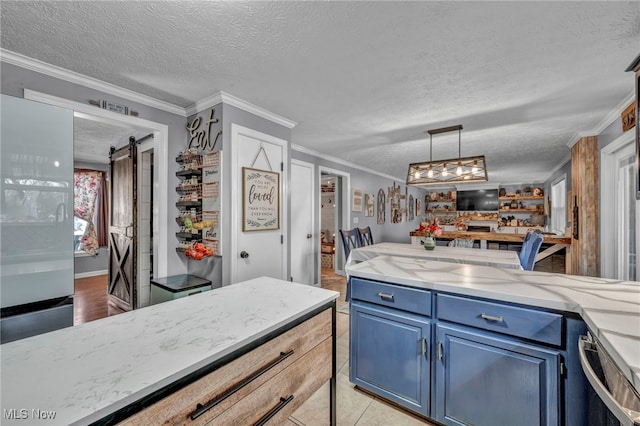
{"type": "Point", "coordinates": [354, 407]}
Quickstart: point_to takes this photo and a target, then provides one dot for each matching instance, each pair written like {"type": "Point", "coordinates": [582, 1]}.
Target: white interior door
{"type": "Point", "coordinates": [626, 215]}
{"type": "Point", "coordinates": [302, 240]}
{"type": "Point", "coordinates": [256, 253]}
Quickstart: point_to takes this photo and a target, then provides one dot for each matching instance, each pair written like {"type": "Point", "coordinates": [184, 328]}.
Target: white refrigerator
{"type": "Point", "coordinates": [36, 218]}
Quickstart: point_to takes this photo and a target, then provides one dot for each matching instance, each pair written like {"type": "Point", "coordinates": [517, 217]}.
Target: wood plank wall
{"type": "Point", "coordinates": [585, 251]}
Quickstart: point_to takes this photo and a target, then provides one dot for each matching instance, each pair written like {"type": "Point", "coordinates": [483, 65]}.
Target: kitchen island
{"type": "Point", "coordinates": [223, 348]}
{"type": "Point", "coordinates": [485, 336]}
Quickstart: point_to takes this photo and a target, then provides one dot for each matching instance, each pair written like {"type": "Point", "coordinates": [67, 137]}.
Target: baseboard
{"type": "Point", "coordinates": [91, 274]}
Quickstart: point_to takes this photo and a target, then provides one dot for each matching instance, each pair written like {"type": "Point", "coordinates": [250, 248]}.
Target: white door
{"type": "Point", "coordinates": [626, 215]}
{"type": "Point", "coordinates": [302, 241]}
{"type": "Point", "coordinates": [259, 252]}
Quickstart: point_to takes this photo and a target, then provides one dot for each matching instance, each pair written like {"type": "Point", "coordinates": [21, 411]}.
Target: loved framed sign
{"type": "Point", "coordinates": [260, 200]}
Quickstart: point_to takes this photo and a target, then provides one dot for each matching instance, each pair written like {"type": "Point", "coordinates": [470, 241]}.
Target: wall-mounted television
{"type": "Point", "coordinates": [477, 200]}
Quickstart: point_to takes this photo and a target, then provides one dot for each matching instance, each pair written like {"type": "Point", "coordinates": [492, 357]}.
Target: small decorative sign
{"type": "Point", "coordinates": [260, 200]}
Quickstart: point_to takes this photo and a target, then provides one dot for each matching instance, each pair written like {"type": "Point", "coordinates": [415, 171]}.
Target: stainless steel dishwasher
{"type": "Point", "coordinates": [609, 383]}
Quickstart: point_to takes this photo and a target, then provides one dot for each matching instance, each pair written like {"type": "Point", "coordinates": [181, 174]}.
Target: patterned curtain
{"type": "Point", "coordinates": [103, 212]}
{"type": "Point", "coordinates": [86, 188]}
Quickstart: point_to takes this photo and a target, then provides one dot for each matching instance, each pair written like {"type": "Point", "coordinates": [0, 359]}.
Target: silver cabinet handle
{"type": "Point", "coordinates": [440, 350]}
{"type": "Point", "coordinates": [385, 296]}
{"type": "Point", "coordinates": [491, 318]}
{"type": "Point", "coordinates": [424, 345]}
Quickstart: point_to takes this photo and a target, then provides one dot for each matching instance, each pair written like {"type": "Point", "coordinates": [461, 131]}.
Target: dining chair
{"type": "Point", "coordinates": [366, 237]}
{"type": "Point", "coordinates": [461, 242]}
{"type": "Point", "coordinates": [350, 240]}
{"type": "Point", "coordinates": [536, 242]}
{"type": "Point", "coordinates": [523, 256]}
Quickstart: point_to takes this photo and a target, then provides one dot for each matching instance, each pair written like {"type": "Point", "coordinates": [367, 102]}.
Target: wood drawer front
{"type": "Point", "coordinates": [545, 327]}
{"type": "Point", "coordinates": [178, 407]}
{"type": "Point", "coordinates": [394, 296]}
{"type": "Point", "coordinates": [300, 380]}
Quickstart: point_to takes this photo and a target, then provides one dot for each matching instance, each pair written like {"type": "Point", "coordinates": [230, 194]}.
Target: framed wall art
{"type": "Point", "coordinates": [260, 200]}
{"type": "Point", "coordinates": [382, 206]}
{"type": "Point", "coordinates": [369, 204]}
{"type": "Point", "coordinates": [356, 200]}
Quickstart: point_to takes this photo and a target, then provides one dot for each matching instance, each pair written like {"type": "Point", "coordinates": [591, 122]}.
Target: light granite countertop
{"type": "Point", "coordinates": [610, 308]}
{"type": "Point", "coordinates": [86, 372]}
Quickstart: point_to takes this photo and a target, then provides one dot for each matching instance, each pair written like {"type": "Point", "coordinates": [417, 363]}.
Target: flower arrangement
{"type": "Point", "coordinates": [430, 228]}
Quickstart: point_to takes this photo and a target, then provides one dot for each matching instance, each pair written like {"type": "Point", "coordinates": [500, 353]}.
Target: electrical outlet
{"type": "Point", "coordinates": [355, 220]}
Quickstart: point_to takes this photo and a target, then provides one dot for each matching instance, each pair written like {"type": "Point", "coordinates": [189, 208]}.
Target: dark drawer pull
{"type": "Point", "coordinates": [283, 401]}
{"type": "Point", "coordinates": [491, 318]}
{"type": "Point", "coordinates": [385, 296]}
{"type": "Point", "coordinates": [201, 409]}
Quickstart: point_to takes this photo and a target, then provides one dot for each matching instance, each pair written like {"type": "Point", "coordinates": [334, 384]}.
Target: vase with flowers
{"type": "Point", "coordinates": [431, 229]}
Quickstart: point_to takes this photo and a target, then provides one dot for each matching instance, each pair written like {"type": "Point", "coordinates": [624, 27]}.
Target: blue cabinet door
{"type": "Point", "coordinates": [486, 380]}
{"type": "Point", "coordinates": [389, 354]}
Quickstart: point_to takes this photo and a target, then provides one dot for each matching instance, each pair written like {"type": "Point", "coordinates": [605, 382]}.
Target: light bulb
{"type": "Point", "coordinates": [430, 173]}
{"type": "Point", "coordinates": [474, 169]}
{"type": "Point", "coordinates": [445, 172]}
{"type": "Point", "coordinates": [459, 169]}
{"type": "Point", "coordinates": [416, 175]}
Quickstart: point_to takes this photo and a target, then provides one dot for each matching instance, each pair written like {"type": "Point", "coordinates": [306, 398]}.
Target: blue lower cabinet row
{"type": "Point", "coordinates": [453, 368]}
{"type": "Point", "coordinates": [391, 355]}
{"type": "Point", "coordinates": [487, 381]}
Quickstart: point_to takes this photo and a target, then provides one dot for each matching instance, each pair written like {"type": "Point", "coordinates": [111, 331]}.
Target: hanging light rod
{"type": "Point", "coordinates": [453, 170]}
{"type": "Point", "coordinates": [457, 127]}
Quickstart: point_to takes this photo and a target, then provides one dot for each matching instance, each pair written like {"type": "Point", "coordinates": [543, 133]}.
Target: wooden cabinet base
{"type": "Point", "coordinates": [249, 389]}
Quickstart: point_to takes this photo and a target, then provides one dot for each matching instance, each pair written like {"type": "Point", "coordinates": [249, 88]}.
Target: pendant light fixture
{"type": "Point", "coordinates": [467, 169]}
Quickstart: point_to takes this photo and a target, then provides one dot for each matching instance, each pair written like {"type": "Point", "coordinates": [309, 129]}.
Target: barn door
{"type": "Point", "coordinates": [122, 228]}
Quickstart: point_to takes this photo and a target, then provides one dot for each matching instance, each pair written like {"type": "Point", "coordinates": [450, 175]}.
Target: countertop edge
{"type": "Point", "coordinates": [132, 398]}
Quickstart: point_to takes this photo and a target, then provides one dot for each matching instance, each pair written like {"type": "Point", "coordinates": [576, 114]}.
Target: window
{"type": "Point", "coordinates": [89, 220]}
{"type": "Point", "coordinates": [559, 206]}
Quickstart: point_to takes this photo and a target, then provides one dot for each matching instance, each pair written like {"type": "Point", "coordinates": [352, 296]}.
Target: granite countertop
{"type": "Point", "coordinates": [86, 372]}
{"type": "Point", "coordinates": [610, 308]}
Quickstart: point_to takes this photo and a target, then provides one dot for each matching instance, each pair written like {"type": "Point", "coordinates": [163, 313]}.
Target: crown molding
{"type": "Point", "coordinates": [613, 115]}
{"type": "Point", "coordinates": [72, 77]}
{"type": "Point", "coordinates": [565, 160]}
{"type": "Point", "coordinates": [337, 160]}
{"type": "Point", "coordinates": [26, 62]}
{"type": "Point", "coordinates": [226, 98]}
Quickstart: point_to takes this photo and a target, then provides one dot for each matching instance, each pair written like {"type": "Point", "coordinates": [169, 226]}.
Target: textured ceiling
{"type": "Point", "coordinates": [93, 139]}
{"type": "Point", "coordinates": [364, 80]}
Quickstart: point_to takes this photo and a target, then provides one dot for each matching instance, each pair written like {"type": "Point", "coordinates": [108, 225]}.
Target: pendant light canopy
{"type": "Point", "coordinates": [453, 170]}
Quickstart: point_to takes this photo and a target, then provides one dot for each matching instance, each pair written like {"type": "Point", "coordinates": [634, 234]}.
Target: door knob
{"type": "Point", "coordinates": [244, 254]}
{"type": "Point", "coordinates": [308, 236]}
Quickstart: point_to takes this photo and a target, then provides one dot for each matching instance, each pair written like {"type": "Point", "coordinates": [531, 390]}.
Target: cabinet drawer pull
{"type": "Point", "coordinates": [440, 351]}
{"type": "Point", "coordinates": [201, 409]}
{"type": "Point", "coordinates": [424, 345]}
{"type": "Point", "coordinates": [491, 318]}
{"type": "Point", "coordinates": [385, 296]}
{"type": "Point", "coordinates": [283, 401]}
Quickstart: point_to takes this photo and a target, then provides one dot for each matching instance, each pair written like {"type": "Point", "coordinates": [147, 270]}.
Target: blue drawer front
{"type": "Point", "coordinates": [526, 323]}
{"type": "Point", "coordinates": [394, 296]}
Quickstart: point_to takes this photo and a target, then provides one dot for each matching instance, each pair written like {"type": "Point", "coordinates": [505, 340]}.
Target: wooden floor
{"type": "Point", "coordinates": [90, 300]}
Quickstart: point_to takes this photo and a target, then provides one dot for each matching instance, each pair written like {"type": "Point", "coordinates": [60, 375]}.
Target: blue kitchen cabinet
{"type": "Point", "coordinates": [390, 354]}
{"type": "Point", "coordinates": [485, 379]}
